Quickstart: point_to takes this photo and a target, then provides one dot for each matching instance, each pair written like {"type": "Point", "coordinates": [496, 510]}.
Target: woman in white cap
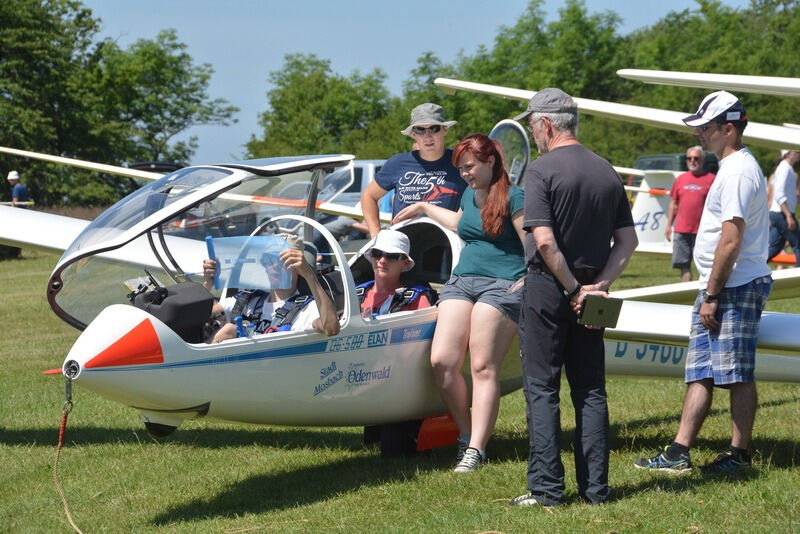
{"type": "Point", "coordinates": [422, 175]}
{"type": "Point", "coordinates": [389, 256]}
{"type": "Point", "coordinates": [476, 308]}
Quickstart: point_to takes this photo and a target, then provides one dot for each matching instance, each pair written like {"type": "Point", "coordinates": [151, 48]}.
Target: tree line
{"type": "Point", "coordinates": [64, 92]}
{"type": "Point", "coordinates": [61, 92]}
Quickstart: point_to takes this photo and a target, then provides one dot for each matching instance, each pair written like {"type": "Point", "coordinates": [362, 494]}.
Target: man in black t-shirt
{"type": "Point", "coordinates": [575, 204]}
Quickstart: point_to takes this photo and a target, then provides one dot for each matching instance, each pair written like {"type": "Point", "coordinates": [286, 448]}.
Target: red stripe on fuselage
{"type": "Point", "coordinates": [138, 346]}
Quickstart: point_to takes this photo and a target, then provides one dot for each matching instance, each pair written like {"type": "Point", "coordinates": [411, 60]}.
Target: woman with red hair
{"type": "Point", "coordinates": [476, 310]}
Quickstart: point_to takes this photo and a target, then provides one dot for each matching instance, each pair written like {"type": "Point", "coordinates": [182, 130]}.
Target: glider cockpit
{"type": "Point", "coordinates": [159, 232]}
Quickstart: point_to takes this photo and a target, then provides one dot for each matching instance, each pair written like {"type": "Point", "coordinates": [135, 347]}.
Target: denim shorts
{"type": "Point", "coordinates": [491, 291]}
{"type": "Point", "coordinates": [728, 355]}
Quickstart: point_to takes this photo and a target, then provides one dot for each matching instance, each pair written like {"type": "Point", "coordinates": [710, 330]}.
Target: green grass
{"type": "Point", "coordinates": [217, 477]}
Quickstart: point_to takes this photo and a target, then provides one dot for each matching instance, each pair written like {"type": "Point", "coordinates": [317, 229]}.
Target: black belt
{"type": "Point", "coordinates": [584, 275]}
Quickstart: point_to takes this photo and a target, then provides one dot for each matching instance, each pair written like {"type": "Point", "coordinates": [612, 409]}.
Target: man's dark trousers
{"type": "Point", "coordinates": [551, 338]}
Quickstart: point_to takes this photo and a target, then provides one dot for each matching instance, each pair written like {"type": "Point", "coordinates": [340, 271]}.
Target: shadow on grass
{"type": "Point", "coordinates": [677, 483]}
{"type": "Point", "coordinates": [211, 438]}
{"type": "Point", "coordinates": [298, 487]}
{"type": "Point", "coordinates": [777, 453]}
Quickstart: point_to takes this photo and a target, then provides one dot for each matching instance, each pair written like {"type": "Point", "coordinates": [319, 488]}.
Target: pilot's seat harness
{"type": "Point", "coordinates": [402, 297]}
{"type": "Point", "coordinates": [250, 303]}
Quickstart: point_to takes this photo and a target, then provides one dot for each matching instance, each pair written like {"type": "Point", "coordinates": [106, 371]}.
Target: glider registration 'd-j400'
{"type": "Point", "coordinates": [374, 373]}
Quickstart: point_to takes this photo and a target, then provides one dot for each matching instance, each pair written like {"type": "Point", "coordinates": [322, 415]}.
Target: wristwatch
{"type": "Point", "coordinates": [569, 294]}
{"type": "Point", "coordinates": [708, 297]}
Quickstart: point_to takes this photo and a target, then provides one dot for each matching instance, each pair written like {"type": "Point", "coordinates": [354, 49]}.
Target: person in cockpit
{"type": "Point", "coordinates": [280, 309]}
{"type": "Point", "coordinates": [389, 256]}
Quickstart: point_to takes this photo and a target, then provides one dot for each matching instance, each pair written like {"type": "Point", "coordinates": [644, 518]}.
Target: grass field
{"type": "Point", "coordinates": [216, 477]}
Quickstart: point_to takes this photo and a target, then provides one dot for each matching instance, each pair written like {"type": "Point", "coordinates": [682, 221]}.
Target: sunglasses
{"type": "Point", "coordinates": [692, 158]}
{"type": "Point", "coordinates": [421, 130]}
{"type": "Point", "coordinates": [268, 259]}
{"type": "Point", "coordinates": [391, 256]}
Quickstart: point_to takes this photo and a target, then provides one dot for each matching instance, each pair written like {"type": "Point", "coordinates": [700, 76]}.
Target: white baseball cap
{"type": "Point", "coordinates": [13, 175]}
{"type": "Point", "coordinates": [392, 241]}
{"type": "Point", "coordinates": [720, 106]}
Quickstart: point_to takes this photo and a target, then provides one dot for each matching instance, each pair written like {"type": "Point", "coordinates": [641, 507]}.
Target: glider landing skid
{"type": "Point", "coordinates": [162, 423]}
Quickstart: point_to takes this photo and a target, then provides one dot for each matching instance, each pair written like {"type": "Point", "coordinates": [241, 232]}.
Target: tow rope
{"type": "Point", "coordinates": [62, 430]}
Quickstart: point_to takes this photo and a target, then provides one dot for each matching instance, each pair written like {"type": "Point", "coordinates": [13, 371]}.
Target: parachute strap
{"type": "Point", "coordinates": [361, 290]}
{"type": "Point", "coordinates": [403, 296]}
{"type": "Point", "coordinates": [285, 315]}
{"type": "Point", "coordinates": [408, 295]}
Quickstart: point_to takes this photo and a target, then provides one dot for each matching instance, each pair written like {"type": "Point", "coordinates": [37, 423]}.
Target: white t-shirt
{"type": "Point", "coordinates": [302, 321]}
{"type": "Point", "coordinates": [784, 187]}
{"type": "Point", "coordinates": [739, 190]}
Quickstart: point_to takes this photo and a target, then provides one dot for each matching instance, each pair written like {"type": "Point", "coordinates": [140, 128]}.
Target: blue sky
{"type": "Point", "coordinates": [245, 40]}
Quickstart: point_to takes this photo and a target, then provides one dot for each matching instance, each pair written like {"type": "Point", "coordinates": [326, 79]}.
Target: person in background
{"type": "Point", "coordinates": [19, 193]}
{"type": "Point", "coordinates": [424, 175]}
{"type": "Point", "coordinates": [688, 197]}
{"type": "Point", "coordinates": [782, 218]}
{"type": "Point", "coordinates": [477, 310]}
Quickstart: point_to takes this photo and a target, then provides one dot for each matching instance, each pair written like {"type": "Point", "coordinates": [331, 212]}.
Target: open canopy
{"type": "Point", "coordinates": [162, 227]}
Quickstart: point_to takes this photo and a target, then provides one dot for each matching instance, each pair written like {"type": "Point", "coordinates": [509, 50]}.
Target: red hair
{"type": "Point", "coordinates": [495, 210]}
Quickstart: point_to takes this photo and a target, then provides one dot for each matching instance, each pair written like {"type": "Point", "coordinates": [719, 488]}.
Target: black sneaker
{"type": "Point", "coordinates": [726, 463]}
{"type": "Point", "coordinates": [471, 461]}
{"type": "Point", "coordinates": [659, 462]}
{"type": "Point", "coordinates": [526, 499]}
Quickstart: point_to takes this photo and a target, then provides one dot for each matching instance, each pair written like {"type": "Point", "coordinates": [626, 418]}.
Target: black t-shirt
{"type": "Point", "coordinates": [580, 196]}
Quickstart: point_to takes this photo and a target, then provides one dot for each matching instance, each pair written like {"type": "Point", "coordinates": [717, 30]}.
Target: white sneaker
{"type": "Point", "coordinates": [471, 461]}
{"type": "Point", "coordinates": [524, 500]}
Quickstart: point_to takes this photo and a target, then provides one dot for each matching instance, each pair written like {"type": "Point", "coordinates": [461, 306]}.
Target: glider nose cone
{"type": "Point", "coordinates": [119, 336]}
{"type": "Point", "coordinates": [138, 346]}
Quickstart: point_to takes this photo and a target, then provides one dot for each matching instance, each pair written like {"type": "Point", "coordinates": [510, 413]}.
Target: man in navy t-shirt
{"type": "Point", "coordinates": [19, 193]}
{"type": "Point", "coordinates": [424, 175]}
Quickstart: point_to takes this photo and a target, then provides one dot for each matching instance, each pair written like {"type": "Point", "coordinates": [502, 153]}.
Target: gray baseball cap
{"type": "Point", "coordinates": [550, 100]}
{"type": "Point", "coordinates": [427, 114]}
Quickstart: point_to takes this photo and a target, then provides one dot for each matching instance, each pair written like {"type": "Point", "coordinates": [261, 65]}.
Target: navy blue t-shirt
{"type": "Point", "coordinates": [417, 180]}
{"type": "Point", "coordinates": [20, 192]}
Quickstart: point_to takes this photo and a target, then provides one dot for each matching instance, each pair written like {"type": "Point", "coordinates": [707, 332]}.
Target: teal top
{"type": "Point", "coordinates": [503, 257]}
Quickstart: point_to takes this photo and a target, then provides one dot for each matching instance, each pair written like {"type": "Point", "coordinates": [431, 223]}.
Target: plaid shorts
{"type": "Point", "coordinates": [728, 355]}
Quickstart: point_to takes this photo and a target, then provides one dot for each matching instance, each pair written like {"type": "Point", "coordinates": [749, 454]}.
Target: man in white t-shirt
{"type": "Point", "coordinates": [782, 220]}
{"type": "Point", "coordinates": [730, 254]}
{"type": "Point", "coordinates": [280, 309]}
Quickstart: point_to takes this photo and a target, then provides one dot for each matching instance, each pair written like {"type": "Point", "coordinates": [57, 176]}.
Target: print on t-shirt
{"type": "Point", "coordinates": [416, 180]}
{"type": "Point", "coordinates": [426, 186]}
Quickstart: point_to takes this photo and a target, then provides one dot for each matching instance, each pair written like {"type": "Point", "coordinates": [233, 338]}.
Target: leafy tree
{"type": "Point", "coordinates": [42, 47]}
{"type": "Point", "coordinates": [152, 92]}
{"type": "Point", "coordinates": [312, 110]}
{"type": "Point", "coordinates": [760, 40]}
{"type": "Point", "coordinates": [63, 93]}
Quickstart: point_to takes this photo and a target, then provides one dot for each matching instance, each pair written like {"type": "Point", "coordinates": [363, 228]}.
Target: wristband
{"type": "Point", "coordinates": [570, 294]}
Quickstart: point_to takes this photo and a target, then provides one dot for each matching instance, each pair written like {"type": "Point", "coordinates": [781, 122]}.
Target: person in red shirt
{"type": "Point", "coordinates": [688, 198]}
{"type": "Point", "coordinates": [389, 256]}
